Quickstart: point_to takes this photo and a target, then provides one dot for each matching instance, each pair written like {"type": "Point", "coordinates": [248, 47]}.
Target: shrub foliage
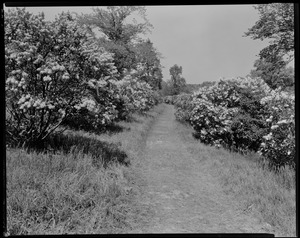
{"type": "Point", "coordinates": [57, 73]}
{"type": "Point", "coordinates": [242, 114]}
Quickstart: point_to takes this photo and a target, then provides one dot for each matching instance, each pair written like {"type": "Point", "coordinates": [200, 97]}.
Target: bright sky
{"type": "Point", "coordinates": [206, 40]}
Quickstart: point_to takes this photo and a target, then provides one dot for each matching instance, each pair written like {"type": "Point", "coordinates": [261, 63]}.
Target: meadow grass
{"type": "Point", "coordinates": [80, 185]}
{"type": "Point", "coordinates": [268, 195]}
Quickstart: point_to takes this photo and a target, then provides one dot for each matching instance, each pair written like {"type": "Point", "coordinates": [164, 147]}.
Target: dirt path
{"type": "Point", "coordinates": [185, 197]}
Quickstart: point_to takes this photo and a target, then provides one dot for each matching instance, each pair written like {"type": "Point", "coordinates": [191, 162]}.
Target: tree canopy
{"type": "Point", "coordinates": [276, 22]}
{"type": "Point", "coordinates": [120, 36]}
{"type": "Point", "coordinates": [113, 22]}
{"type": "Point", "coordinates": [274, 74]}
{"type": "Point", "coordinates": [148, 56]}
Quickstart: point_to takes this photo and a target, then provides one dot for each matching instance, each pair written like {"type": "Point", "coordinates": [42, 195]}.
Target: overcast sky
{"type": "Point", "coordinates": [206, 40]}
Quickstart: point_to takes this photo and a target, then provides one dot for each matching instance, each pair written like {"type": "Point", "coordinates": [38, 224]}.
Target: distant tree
{"type": "Point", "coordinates": [190, 88]}
{"type": "Point", "coordinates": [207, 83]}
{"type": "Point", "coordinates": [177, 81]}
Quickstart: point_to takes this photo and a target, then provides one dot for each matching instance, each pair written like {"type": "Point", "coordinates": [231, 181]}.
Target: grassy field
{"type": "Point", "coordinates": [85, 183]}
{"type": "Point", "coordinates": [268, 195]}
{"type": "Point", "coordinates": [82, 184]}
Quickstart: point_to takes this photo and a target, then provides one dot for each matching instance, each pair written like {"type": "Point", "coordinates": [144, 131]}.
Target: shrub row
{"type": "Point", "coordinates": [243, 114]}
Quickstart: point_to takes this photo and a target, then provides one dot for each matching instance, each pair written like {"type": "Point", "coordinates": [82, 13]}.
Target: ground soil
{"type": "Point", "coordinates": [179, 190]}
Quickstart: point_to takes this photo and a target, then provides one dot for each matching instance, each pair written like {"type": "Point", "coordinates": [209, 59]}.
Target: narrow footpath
{"type": "Point", "coordinates": [184, 196]}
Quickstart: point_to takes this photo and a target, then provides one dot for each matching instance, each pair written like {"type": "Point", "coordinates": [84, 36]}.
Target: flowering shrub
{"type": "Point", "coordinates": [183, 107]}
{"type": "Point", "coordinates": [212, 123]}
{"type": "Point", "coordinates": [48, 66]}
{"type": "Point", "coordinates": [278, 146]}
{"type": "Point", "coordinates": [99, 109]}
{"type": "Point", "coordinates": [242, 114]}
{"type": "Point", "coordinates": [229, 114]}
{"type": "Point", "coordinates": [137, 95]}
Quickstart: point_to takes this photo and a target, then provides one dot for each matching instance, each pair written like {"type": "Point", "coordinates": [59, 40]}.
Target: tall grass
{"type": "Point", "coordinates": [268, 195]}
{"type": "Point", "coordinates": [61, 193]}
{"type": "Point", "coordinates": [81, 184]}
